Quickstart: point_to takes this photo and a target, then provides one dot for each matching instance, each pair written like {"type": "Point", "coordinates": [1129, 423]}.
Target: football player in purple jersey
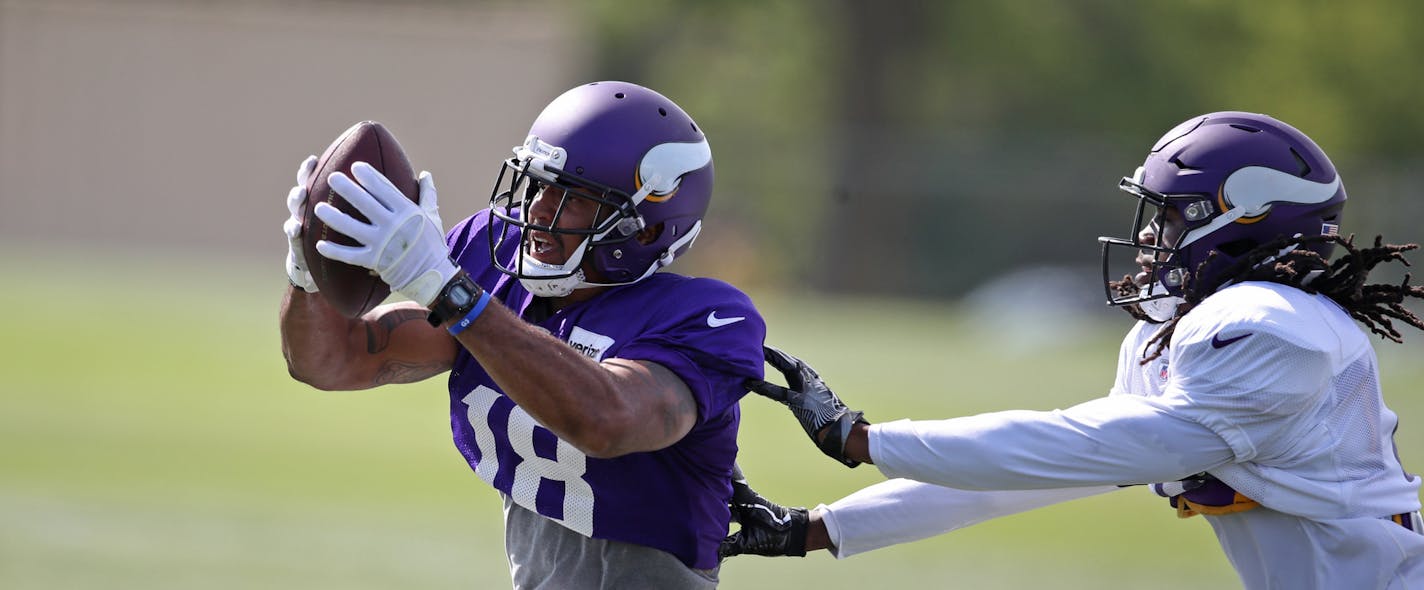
{"type": "Point", "coordinates": [597, 395]}
{"type": "Point", "coordinates": [1246, 392]}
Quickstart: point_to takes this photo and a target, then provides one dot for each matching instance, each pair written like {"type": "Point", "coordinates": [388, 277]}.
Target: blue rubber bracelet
{"type": "Point", "coordinates": [469, 318]}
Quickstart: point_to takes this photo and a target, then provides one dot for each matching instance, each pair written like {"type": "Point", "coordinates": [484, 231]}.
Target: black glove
{"type": "Point", "coordinates": [822, 415]}
{"type": "Point", "coordinates": [767, 528]}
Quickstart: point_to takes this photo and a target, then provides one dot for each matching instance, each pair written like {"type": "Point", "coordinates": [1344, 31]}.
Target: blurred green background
{"type": "Point", "coordinates": [909, 190]}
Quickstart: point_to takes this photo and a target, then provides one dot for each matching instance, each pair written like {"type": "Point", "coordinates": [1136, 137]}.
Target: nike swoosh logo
{"type": "Point", "coordinates": [716, 322]}
{"type": "Point", "coordinates": [779, 521]}
{"type": "Point", "coordinates": [1217, 342]}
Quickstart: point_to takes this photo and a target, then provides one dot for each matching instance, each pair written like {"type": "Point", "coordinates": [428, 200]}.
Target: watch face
{"type": "Point", "coordinates": [460, 295]}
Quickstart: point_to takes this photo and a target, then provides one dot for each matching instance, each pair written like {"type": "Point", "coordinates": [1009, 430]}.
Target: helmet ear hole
{"type": "Point", "coordinates": [650, 234]}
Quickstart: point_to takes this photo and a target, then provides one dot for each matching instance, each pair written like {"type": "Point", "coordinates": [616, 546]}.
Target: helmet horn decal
{"type": "Point", "coordinates": [665, 164]}
{"type": "Point", "coordinates": [1251, 190]}
{"type": "Point", "coordinates": [1254, 188]}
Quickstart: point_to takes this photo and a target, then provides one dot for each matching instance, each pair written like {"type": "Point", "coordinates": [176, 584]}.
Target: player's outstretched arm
{"type": "Point", "coordinates": [390, 344]}
{"type": "Point", "coordinates": [835, 429]}
{"type": "Point", "coordinates": [767, 528]}
{"type": "Point", "coordinates": [885, 514]}
{"type": "Point", "coordinates": [603, 409]}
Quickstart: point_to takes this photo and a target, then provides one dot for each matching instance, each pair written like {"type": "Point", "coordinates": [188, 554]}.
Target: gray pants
{"type": "Point", "coordinates": [543, 555]}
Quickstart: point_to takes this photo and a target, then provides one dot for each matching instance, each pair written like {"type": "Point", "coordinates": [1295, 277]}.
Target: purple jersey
{"type": "Point", "coordinates": [674, 499]}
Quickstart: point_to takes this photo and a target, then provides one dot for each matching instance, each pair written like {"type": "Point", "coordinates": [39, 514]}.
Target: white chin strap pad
{"type": "Point", "coordinates": [553, 287]}
{"type": "Point", "coordinates": [1161, 309]}
{"type": "Point", "coordinates": [553, 280]}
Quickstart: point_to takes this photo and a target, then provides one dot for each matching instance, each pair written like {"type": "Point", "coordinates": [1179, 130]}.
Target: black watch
{"type": "Point", "coordinates": [455, 300]}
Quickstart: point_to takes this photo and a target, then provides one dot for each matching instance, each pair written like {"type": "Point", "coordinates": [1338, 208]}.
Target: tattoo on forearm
{"type": "Point", "coordinates": [403, 372]}
{"type": "Point", "coordinates": [378, 333]}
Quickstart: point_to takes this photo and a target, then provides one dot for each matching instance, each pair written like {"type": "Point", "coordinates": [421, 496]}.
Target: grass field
{"type": "Point", "coordinates": [151, 438]}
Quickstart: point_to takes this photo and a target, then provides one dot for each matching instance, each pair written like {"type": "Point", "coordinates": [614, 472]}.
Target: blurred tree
{"type": "Point", "coordinates": [876, 38]}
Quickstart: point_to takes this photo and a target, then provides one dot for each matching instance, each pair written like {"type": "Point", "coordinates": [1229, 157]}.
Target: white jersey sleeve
{"type": "Point", "coordinates": [901, 511]}
{"type": "Point", "coordinates": [1107, 441]}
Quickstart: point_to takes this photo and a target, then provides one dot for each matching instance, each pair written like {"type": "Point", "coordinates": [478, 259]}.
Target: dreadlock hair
{"type": "Point", "coordinates": [1127, 288]}
{"type": "Point", "coordinates": [1374, 305]}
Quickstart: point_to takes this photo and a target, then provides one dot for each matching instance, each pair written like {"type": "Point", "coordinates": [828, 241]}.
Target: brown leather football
{"type": "Point", "coordinates": [351, 290]}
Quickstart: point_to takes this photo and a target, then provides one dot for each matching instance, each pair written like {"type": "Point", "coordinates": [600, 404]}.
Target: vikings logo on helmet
{"type": "Point", "coordinates": [1236, 181]}
{"type": "Point", "coordinates": [662, 168]}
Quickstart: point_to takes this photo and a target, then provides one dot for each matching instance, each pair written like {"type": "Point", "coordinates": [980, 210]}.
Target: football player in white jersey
{"type": "Point", "coordinates": [1245, 392]}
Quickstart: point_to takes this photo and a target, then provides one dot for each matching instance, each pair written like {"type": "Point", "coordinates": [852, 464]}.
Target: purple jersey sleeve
{"type": "Point", "coordinates": [710, 335]}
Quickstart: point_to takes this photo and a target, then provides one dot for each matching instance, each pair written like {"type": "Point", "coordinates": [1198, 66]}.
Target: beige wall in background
{"type": "Point", "coordinates": [152, 122]}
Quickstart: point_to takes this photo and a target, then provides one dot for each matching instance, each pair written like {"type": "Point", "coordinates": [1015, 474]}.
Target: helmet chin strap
{"type": "Point", "coordinates": [552, 287]}
{"type": "Point", "coordinates": [1161, 309]}
{"type": "Point", "coordinates": [553, 280]}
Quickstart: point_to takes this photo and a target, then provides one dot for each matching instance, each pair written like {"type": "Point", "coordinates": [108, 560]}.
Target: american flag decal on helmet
{"type": "Point", "coordinates": [1329, 229]}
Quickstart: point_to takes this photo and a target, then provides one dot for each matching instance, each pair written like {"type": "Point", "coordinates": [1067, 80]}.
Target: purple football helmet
{"type": "Point", "coordinates": [1237, 181]}
{"type": "Point", "coordinates": [633, 152]}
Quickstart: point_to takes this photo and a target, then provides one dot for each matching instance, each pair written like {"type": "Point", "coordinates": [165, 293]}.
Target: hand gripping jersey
{"type": "Point", "coordinates": [674, 499]}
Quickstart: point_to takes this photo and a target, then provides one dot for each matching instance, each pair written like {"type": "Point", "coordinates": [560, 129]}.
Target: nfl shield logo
{"type": "Point", "coordinates": [1162, 374]}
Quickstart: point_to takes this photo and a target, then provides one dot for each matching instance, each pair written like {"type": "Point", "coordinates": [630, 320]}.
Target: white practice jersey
{"type": "Point", "coordinates": [1272, 390]}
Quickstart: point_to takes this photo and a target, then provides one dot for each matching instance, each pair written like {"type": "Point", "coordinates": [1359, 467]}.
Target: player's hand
{"type": "Point", "coordinates": [822, 415]}
{"type": "Point", "coordinates": [767, 527]}
{"type": "Point", "coordinates": [296, 200]}
{"type": "Point", "coordinates": [404, 242]}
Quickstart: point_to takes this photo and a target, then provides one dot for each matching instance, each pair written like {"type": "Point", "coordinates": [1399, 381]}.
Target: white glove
{"type": "Point", "coordinates": [296, 199]}
{"type": "Point", "coordinates": [404, 242]}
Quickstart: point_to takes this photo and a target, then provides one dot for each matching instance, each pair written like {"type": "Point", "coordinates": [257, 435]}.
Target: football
{"type": "Point", "coordinates": [351, 290]}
